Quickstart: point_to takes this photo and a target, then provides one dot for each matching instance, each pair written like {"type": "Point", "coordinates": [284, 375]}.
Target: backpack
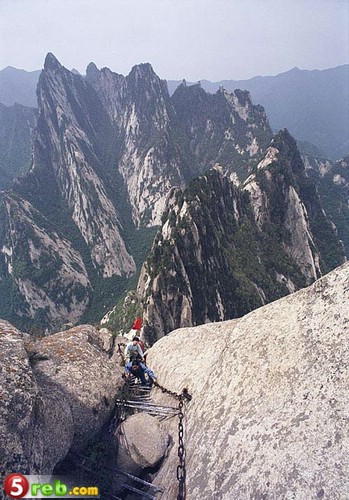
{"type": "Point", "coordinates": [133, 353]}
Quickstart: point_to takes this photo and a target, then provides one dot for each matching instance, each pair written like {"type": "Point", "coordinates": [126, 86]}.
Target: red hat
{"type": "Point", "coordinates": [137, 324]}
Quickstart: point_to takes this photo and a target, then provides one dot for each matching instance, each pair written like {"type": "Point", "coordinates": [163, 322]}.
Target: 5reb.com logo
{"type": "Point", "coordinates": [18, 486]}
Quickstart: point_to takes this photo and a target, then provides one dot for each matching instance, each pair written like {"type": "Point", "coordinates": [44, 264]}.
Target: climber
{"type": "Point", "coordinates": [139, 370]}
{"type": "Point", "coordinates": [133, 350]}
{"type": "Point", "coordinates": [137, 326]}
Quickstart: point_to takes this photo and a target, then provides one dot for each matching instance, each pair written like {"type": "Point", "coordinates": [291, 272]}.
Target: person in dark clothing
{"type": "Point", "coordinates": [133, 350]}
{"type": "Point", "coordinates": [140, 371]}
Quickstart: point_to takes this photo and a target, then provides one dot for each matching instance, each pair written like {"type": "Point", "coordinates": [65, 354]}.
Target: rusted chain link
{"type": "Point", "coordinates": [181, 468]}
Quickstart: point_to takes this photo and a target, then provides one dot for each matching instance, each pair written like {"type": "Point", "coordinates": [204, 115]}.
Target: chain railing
{"type": "Point", "coordinates": [181, 467]}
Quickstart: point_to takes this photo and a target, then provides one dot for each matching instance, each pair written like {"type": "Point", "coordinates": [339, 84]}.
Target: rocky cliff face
{"type": "Point", "coordinates": [223, 251]}
{"type": "Point", "coordinates": [56, 396]}
{"type": "Point", "coordinates": [224, 127]}
{"type": "Point", "coordinates": [312, 105]}
{"type": "Point", "coordinates": [332, 181]}
{"type": "Point", "coordinates": [71, 140]}
{"type": "Point", "coordinates": [42, 262]}
{"type": "Point", "coordinates": [268, 416]}
{"type": "Point", "coordinates": [321, 118]}
{"type": "Point", "coordinates": [73, 184]}
{"type": "Point", "coordinates": [149, 160]}
{"type": "Point", "coordinates": [106, 151]}
{"type": "Point", "coordinates": [283, 195]}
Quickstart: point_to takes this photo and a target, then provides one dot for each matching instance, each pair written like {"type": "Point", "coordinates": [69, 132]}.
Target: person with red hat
{"type": "Point", "coordinates": [137, 325]}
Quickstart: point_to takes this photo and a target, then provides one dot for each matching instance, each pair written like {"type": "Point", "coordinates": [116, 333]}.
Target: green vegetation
{"type": "Point", "coordinates": [108, 292]}
{"type": "Point", "coordinates": [334, 198]}
{"type": "Point", "coordinates": [241, 266]}
{"type": "Point", "coordinates": [126, 310]}
{"type": "Point", "coordinates": [231, 264]}
{"type": "Point", "coordinates": [15, 147]}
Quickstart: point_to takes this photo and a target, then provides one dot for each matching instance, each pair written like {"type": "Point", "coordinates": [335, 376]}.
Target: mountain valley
{"type": "Point", "coordinates": [115, 159]}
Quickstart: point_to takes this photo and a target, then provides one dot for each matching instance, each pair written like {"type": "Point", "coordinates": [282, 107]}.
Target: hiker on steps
{"type": "Point", "coordinates": [140, 371]}
{"type": "Point", "coordinates": [133, 350]}
{"type": "Point", "coordinates": [136, 328]}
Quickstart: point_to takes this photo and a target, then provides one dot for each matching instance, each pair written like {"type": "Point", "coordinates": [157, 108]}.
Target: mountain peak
{"type": "Point", "coordinates": [51, 62]}
{"type": "Point", "coordinates": [284, 137]}
{"type": "Point", "coordinates": [92, 72]}
{"type": "Point", "coordinates": [142, 70]}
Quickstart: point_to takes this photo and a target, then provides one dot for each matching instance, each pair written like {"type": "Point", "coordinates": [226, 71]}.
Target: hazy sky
{"type": "Point", "coordinates": [195, 39]}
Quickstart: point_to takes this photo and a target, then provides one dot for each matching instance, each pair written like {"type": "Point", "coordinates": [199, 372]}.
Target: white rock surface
{"type": "Point", "coordinates": [74, 162]}
{"type": "Point", "coordinates": [269, 418]}
{"type": "Point", "coordinates": [301, 245]}
{"type": "Point", "coordinates": [107, 339]}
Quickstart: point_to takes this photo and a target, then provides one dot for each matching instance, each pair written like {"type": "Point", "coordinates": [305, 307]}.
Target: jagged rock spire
{"type": "Point", "coordinates": [51, 62]}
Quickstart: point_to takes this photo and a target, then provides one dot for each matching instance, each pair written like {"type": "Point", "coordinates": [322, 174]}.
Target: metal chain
{"type": "Point", "coordinates": [181, 468]}
{"type": "Point", "coordinates": [184, 393]}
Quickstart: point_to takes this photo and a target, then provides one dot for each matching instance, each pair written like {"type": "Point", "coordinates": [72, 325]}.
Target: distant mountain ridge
{"type": "Point", "coordinates": [312, 104]}
{"type": "Point", "coordinates": [16, 125]}
{"type": "Point", "coordinates": [18, 86]}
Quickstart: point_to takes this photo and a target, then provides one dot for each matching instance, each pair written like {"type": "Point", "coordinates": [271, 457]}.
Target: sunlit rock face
{"type": "Point", "coordinates": [149, 159]}
{"type": "Point", "coordinates": [269, 411]}
{"type": "Point", "coordinates": [165, 142]}
{"type": "Point", "coordinates": [72, 134]}
{"type": "Point", "coordinates": [223, 250]}
{"type": "Point", "coordinates": [283, 194]}
{"type": "Point", "coordinates": [66, 206]}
